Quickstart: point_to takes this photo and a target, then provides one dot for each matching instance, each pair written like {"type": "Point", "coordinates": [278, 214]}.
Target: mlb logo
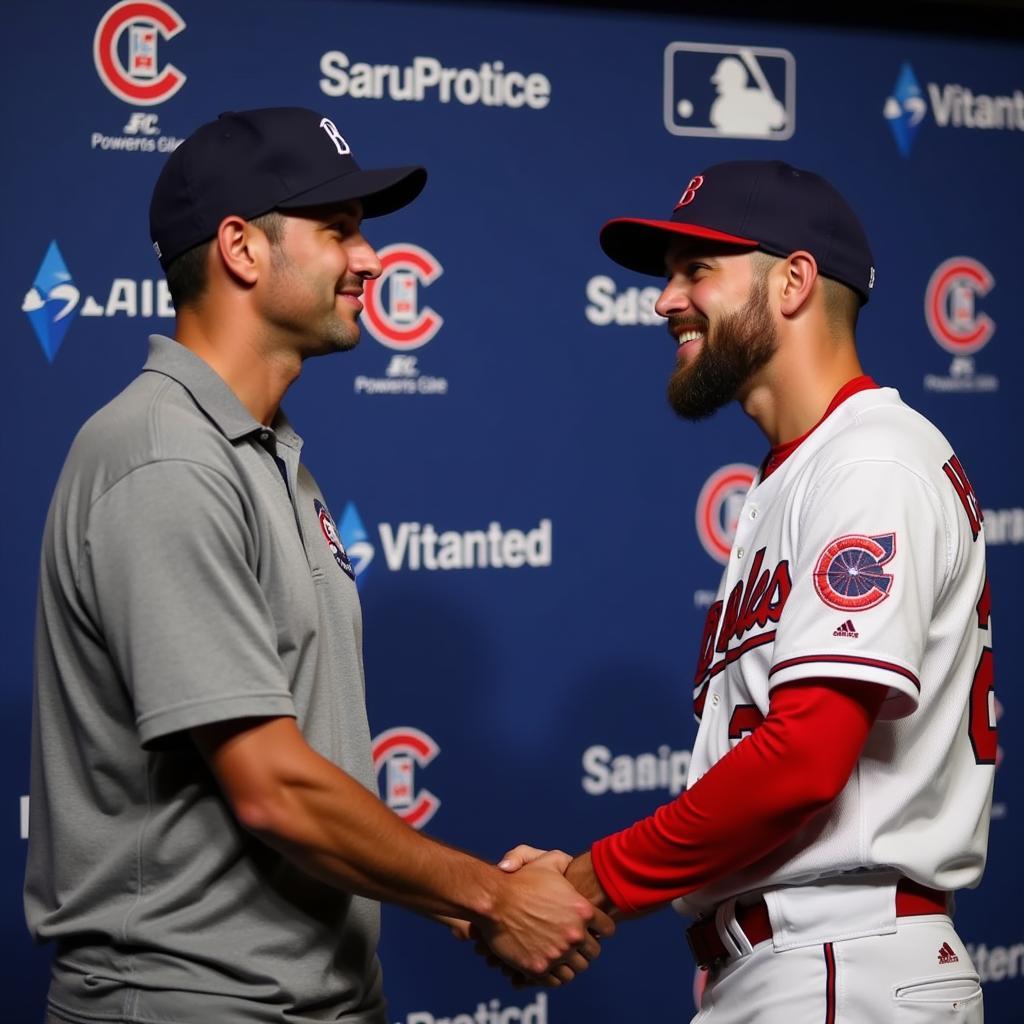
{"type": "Point", "coordinates": [142, 52]}
{"type": "Point", "coordinates": [731, 92]}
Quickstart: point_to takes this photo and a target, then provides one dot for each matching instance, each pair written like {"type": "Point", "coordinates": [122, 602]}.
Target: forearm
{"type": "Point", "coordinates": [328, 824]}
{"type": "Point", "coordinates": [748, 804]}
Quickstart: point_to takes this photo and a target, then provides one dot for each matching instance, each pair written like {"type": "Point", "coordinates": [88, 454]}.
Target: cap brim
{"type": "Point", "coordinates": [641, 245]}
{"type": "Point", "coordinates": [380, 191]}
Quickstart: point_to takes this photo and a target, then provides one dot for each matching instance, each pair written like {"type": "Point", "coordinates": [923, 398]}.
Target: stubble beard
{"type": "Point", "coordinates": [322, 334]}
{"type": "Point", "coordinates": [739, 345]}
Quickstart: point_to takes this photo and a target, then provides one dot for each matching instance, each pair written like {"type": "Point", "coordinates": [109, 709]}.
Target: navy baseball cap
{"type": "Point", "coordinates": [254, 161]}
{"type": "Point", "coordinates": [753, 204]}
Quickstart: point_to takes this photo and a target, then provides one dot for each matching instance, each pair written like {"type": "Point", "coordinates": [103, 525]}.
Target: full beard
{"type": "Point", "coordinates": [740, 344]}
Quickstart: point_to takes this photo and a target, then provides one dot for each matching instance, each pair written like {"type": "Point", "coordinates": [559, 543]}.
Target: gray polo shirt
{"type": "Point", "coordinates": [184, 582]}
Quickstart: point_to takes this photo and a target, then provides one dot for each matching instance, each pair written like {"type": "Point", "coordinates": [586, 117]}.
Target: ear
{"type": "Point", "coordinates": [242, 249]}
{"type": "Point", "coordinates": [800, 271]}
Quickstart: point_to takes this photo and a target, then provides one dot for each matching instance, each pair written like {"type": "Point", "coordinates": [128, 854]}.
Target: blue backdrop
{"type": "Point", "coordinates": [529, 668]}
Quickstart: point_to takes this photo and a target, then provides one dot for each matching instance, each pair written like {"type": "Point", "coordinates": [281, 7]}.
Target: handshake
{"type": "Point", "coordinates": [546, 920]}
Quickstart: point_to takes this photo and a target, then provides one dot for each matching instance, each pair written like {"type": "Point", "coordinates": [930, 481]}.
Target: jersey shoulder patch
{"type": "Point", "coordinates": [848, 574]}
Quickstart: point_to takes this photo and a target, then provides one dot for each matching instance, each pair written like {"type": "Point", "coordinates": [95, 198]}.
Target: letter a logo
{"type": "Point", "coordinates": [335, 136]}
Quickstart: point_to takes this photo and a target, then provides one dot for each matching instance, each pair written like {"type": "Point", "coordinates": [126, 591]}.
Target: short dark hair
{"type": "Point", "coordinates": [842, 303]}
{"type": "Point", "coordinates": [186, 274]}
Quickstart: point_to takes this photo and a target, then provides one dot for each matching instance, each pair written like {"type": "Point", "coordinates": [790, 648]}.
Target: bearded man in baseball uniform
{"type": "Point", "coordinates": [841, 779]}
{"type": "Point", "coordinates": [206, 843]}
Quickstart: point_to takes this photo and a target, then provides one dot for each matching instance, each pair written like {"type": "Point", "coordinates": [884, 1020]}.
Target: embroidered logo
{"type": "Point", "coordinates": [947, 955]}
{"type": "Point", "coordinates": [846, 629]}
{"type": "Point", "coordinates": [335, 136]}
{"type": "Point", "coordinates": [333, 539]}
{"type": "Point", "coordinates": [690, 192]}
{"type": "Point", "coordinates": [849, 574]}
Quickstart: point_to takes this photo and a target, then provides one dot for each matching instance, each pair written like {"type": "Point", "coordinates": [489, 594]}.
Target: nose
{"type": "Point", "coordinates": [673, 299]}
{"type": "Point", "coordinates": [363, 260]}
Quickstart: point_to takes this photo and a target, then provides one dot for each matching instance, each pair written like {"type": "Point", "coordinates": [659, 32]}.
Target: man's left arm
{"type": "Point", "coordinates": [749, 803]}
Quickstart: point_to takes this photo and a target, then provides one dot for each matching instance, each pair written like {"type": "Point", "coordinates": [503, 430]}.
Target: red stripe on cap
{"type": "Point", "coordinates": [694, 230]}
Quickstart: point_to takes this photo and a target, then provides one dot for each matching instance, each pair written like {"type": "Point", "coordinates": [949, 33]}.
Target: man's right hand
{"type": "Point", "coordinates": [540, 923]}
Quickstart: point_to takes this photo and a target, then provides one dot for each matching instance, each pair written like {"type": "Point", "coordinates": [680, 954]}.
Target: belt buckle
{"type": "Point", "coordinates": [702, 955]}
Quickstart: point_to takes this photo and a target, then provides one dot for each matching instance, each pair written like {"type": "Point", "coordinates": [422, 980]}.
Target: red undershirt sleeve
{"type": "Point", "coordinates": [792, 766]}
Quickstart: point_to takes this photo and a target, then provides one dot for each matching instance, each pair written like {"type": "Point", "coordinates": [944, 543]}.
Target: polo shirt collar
{"type": "Point", "coordinates": [211, 393]}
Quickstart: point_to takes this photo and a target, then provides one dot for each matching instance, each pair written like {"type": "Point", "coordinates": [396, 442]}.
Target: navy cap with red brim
{"type": "Point", "coordinates": [753, 204]}
{"type": "Point", "coordinates": [642, 245]}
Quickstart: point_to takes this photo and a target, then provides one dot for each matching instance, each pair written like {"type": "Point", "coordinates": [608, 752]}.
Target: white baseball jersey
{"type": "Point", "coordinates": [862, 558]}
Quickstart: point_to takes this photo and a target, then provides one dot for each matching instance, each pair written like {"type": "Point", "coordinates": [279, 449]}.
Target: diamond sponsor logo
{"type": "Point", "coordinates": [356, 541]}
{"type": "Point", "coordinates": [417, 546]}
{"type": "Point", "coordinates": [54, 301]}
{"type": "Point", "coordinates": [957, 325]}
{"type": "Point", "coordinates": [51, 303]}
{"type": "Point", "coordinates": [951, 104]}
{"type": "Point", "coordinates": [398, 753]}
{"type": "Point", "coordinates": [715, 90]}
{"type": "Point", "coordinates": [905, 109]}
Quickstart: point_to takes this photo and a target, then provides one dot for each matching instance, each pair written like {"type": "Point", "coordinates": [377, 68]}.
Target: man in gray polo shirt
{"type": "Point", "coordinates": [205, 839]}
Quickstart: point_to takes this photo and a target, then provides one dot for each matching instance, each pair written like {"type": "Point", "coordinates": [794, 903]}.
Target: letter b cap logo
{"type": "Point", "coordinates": [690, 192]}
{"type": "Point", "coordinates": [335, 136]}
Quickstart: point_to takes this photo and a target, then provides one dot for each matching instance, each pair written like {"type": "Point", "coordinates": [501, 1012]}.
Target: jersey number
{"type": "Point", "coordinates": [984, 737]}
{"type": "Point", "coordinates": [745, 719]}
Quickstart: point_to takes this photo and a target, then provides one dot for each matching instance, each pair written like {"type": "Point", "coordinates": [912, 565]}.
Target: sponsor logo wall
{"type": "Point", "coordinates": [951, 105]}
{"type": "Point", "coordinates": [54, 300]}
{"type": "Point", "coordinates": [126, 51]}
{"type": "Point", "coordinates": [726, 91]}
{"type": "Point", "coordinates": [394, 315]}
{"type": "Point", "coordinates": [536, 539]}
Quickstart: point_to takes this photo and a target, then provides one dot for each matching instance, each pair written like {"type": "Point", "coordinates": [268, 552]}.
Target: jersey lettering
{"type": "Point", "coordinates": [706, 656]}
{"type": "Point", "coordinates": [984, 608]}
{"type": "Point", "coordinates": [981, 722]}
{"type": "Point", "coordinates": [751, 604]}
{"type": "Point", "coordinates": [965, 492]}
{"type": "Point", "coordinates": [745, 719]}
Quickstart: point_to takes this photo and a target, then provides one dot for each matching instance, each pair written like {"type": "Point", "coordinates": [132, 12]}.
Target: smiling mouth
{"type": "Point", "coordinates": [686, 336]}
{"type": "Point", "coordinates": [354, 299]}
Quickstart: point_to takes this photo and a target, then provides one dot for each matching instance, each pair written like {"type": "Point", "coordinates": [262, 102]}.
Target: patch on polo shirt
{"type": "Point", "coordinates": [333, 539]}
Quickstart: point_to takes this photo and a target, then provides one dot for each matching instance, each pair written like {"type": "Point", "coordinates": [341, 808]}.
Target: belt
{"type": "Point", "coordinates": [912, 900]}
